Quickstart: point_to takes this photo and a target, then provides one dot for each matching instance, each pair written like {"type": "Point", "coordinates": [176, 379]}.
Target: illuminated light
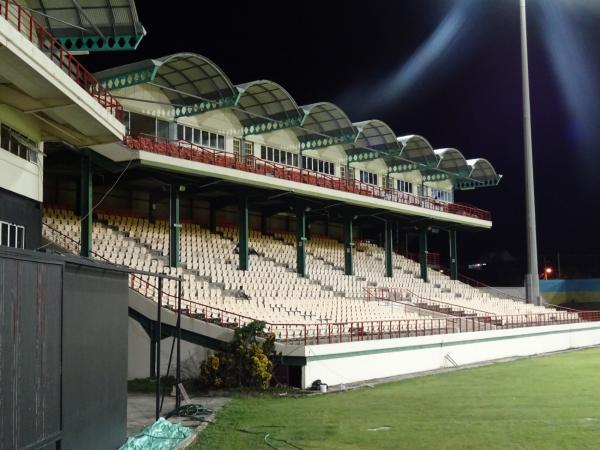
{"type": "Point", "coordinates": [570, 56]}
{"type": "Point", "coordinates": [548, 270]}
{"type": "Point", "coordinates": [443, 50]}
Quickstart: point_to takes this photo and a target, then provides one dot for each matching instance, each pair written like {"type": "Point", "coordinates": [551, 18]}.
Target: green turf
{"type": "Point", "coordinates": [545, 403]}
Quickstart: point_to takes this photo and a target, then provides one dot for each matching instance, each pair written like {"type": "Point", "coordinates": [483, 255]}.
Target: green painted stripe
{"type": "Point", "coordinates": [436, 344]}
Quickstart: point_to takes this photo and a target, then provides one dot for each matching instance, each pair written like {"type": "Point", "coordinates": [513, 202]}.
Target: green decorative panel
{"type": "Point", "coordinates": [473, 184]}
{"type": "Point", "coordinates": [365, 156]}
{"type": "Point", "coordinates": [100, 44]}
{"type": "Point", "coordinates": [129, 79]}
{"type": "Point", "coordinates": [270, 126]}
{"type": "Point", "coordinates": [202, 107]}
{"type": "Point", "coordinates": [403, 167]}
{"type": "Point", "coordinates": [317, 142]}
{"type": "Point", "coordinates": [433, 177]}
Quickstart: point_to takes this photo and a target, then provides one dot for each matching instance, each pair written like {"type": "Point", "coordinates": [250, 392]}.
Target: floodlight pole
{"type": "Point", "coordinates": [532, 282]}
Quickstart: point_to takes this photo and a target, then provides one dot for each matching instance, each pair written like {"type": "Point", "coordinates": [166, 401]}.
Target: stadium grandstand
{"type": "Point", "coordinates": [254, 207]}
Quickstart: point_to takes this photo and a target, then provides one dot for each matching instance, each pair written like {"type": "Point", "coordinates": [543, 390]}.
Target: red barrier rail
{"type": "Point", "coordinates": [406, 296]}
{"type": "Point", "coordinates": [329, 333]}
{"type": "Point", "coordinates": [433, 259]}
{"type": "Point", "coordinates": [20, 18]}
{"type": "Point", "coordinates": [193, 152]}
{"type": "Point", "coordinates": [201, 311]}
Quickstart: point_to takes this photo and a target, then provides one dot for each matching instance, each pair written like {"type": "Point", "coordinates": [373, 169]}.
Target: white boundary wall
{"type": "Point", "coordinates": [359, 361]}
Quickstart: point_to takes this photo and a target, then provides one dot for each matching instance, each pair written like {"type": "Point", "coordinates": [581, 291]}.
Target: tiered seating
{"type": "Point", "coordinates": [210, 275]}
{"type": "Point", "coordinates": [271, 290]}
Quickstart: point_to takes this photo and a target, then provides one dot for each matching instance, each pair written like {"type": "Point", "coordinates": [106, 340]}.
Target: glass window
{"type": "Point", "coordinates": [213, 140]}
{"type": "Point", "coordinates": [263, 152]}
{"type": "Point", "coordinates": [162, 129]}
{"type": "Point", "coordinates": [249, 148]}
{"type": "Point", "coordinates": [4, 137]}
{"type": "Point", "coordinates": [320, 166]}
{"type": "Point", "coordinates": [269, 153]}
{"type": "Point", "coordinates": [12, 236]}
{"type": "Point", "coordinates": [315, 166]}
{"type": "Point", "coordinates": [189, 131]}
{"type": "Point", "coordinates": [20, 237]}
{"type": "Point", "coordinates": [205, 138]}
{"type": "Point", "coordinates": [290, 159]}
{"type": "Point", "coordinates": [296, 160]}
{"type": "Point", "coordinates": [180, 133]}
{"type": "Point", "coordinates": [236, 146]}
{"type": "Point", "coordinates": [197, 136]}
{"type": "Point", "coordinates": [141, 124]}
{"type": "Point", "coordinates": [3, 233]}
{"type": "Point", "coordinates": [275, 155]}
{"type": "Point", "coordinates": [126, 121]}
{"type": "Point", "coordinates": [221, 142]}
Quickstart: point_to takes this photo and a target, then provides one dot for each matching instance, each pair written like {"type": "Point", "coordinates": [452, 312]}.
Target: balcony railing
{"type": "Point", "coordinates": [20, 18]}
{"type": "Point", "coordinates": [192, 152]}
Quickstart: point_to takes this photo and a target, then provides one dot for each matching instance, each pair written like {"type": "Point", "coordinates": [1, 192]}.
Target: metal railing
{"type": "Point", "coordinates": [336, 332]}
{"type": "Point", "coordinates": [406, 296]}
{"type": "Point", "coordinates": [22, 19]}
{"type": "Point", "coordinates": [193, 152]}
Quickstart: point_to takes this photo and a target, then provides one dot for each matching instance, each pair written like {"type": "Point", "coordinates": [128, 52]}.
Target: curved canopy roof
{"type": "Point", "coordinates": [264, 98]}
{"type": "Point", "coordinates": [324, 124]}
{"type": "Point", "coordinates": [418, 149]}
{"type": "Point", "coordinates": [188, 78]}
{"type": "Point", "coordinates": [482, 170]}
{"type": "Point", "coordinates": [377, 135]}
{"type": "Point", "coordinates": [451, 160]}
{"type": "Point", "coordinates": [90, 25]}
{"type": "Point", "coordinates": [326, 118]}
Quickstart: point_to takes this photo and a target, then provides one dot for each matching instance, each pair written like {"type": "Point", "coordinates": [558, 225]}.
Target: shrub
{"type": "Point", "coordinates": [248, 361]}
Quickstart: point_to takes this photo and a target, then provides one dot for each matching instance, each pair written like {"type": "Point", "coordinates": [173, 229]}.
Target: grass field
{"type": "Point", "coordinates": [550, 402]}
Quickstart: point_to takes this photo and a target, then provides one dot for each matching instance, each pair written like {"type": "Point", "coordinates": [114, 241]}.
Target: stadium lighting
{"type": "Point", "coordinates": [532, 282]}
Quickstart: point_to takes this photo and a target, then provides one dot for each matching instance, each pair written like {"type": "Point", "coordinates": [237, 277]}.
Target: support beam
{"type": "Point", "coordinates": [423, 253]}
{"type": "Point", "coordinates": [453, 256]}
{"type": "Point", "coordinates": [244, 233]}
{"type": "Point", "coordinates": [300, 240]}
{"type": "Point", "coordinates": [348, 246]}
{"type": "Point", "coordinates": [389, 243]}
{"type": "Point", "coordinates": [85, 207]}
{"type": "Point", "coordinates": [174, 226]}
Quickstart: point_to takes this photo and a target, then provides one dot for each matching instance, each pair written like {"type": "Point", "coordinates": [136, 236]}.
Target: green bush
{"type": "Point", "coordinates": [248, 361]}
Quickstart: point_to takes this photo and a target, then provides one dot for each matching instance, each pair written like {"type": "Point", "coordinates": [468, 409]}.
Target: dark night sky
{"type": "Point", "coordinates": [470, 100]}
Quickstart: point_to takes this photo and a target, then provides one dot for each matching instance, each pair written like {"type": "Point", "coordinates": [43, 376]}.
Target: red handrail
{"type": "Point", "coordinates": [193, 152]}
{"type": "Point", "coordinates": [322, 333]}
{"type": "Point", "coordinates": [20, 18]}
{"type": "Point", "coordinates": [385, 294]}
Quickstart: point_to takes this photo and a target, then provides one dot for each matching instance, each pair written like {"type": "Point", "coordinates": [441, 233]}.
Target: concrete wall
{"type": "Point", "coordinates": [353, 362]}
{"type": "Point", "coordinates": [138, 359]}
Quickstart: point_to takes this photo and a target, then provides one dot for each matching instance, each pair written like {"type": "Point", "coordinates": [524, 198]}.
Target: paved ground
{"type": "Point", "coordinates": [141, 410]}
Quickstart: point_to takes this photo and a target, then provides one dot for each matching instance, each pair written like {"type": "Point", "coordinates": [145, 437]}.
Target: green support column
{"type": "Point", "coordinates": [389, 243]}
{"type": "Point", "coordinates": [348, 246]}
{"type": "Point", "coordinates": [423, 253]}
{"type": "Point", "coordinates": [85, 207]}
{"type": "Point", "coordinates": [244, 233]}
{"type": "Point", "coordinates": [301, 241]}
{"type": "Point", "coordinates": [174, 227]}
{"type": "Point", "coordinates": [453, 256]}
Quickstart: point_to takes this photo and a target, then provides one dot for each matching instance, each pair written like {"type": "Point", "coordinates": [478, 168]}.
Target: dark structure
{"type": "Point", "coordinates": [62, 316]}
